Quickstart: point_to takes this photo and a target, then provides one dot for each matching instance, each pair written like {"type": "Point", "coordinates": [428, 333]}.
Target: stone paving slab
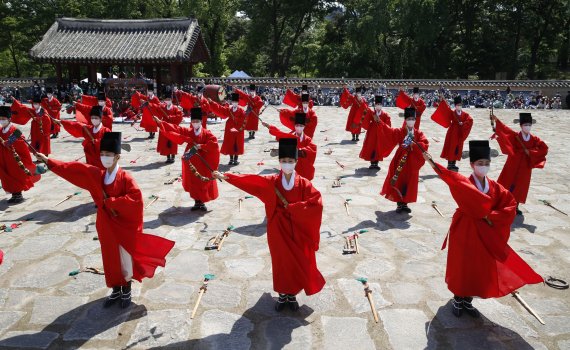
{"type": "Point", "coordinates": [42, 307]}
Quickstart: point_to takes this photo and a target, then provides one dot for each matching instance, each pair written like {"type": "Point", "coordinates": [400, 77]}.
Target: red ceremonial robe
{"type": "Point", "coordinates": [307, 155]}
{"type": "Point", "coordinates": [293, 100]}
{"type": "Point", "coordinates": [83, 115]}
{"type": "Point", "coordinates": [404, 101]}
{"type": "Point", "coordinates": [357, 108]}
{"type": "Point", "coordinates": [173, 116]}
{"type": "Point", "coordinates": [456, 134]}
{"type": "Point", "coordinates": [199, 189]}
{"type": "Point", "coordinates": [12, 176]}
{"type": "Point", "coordinates": [517, 171]}
{"type": "Point", "coordinates": [293, 232]}
{"type": "Point", "coordinates": [40, 128]}
{"type": "Point", "coordinates": [141, 101]}
{"type": "Point", "coordinates": [406, 187]}
{"type": "Point", "coordinates": [189, 101]}
{"type": "Point", "coordinates": [108, 116]}
{"type": "Point", "coordinates": [126, 229]}
{"type": "Point", "coordinates": [287, 118]}
{"type": "Point", "coordinates": [234, 129]}
{"type": "Point", "coordinates": [53, 107]}
{"type": "Point", "coordinates": [480, 263]}
{"type": "Point", "coordinates": [375, 148]}
{"type": "Point", "coordinates": [252, 110]}
{"type": "Point", "coordinates": [91, 140]}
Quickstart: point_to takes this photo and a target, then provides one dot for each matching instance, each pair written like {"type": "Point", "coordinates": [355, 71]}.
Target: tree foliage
{"type": "Point", "coordinates": [350, 38]}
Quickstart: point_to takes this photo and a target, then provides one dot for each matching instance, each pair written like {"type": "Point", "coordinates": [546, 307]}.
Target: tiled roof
{"type": "Point", "coordinates": [73, 40]}
{"type": "Point", "coordinates": [391, 83]}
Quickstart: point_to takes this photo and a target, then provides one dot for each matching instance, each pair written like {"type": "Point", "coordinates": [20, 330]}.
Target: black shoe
{"type": "Point", "coordinates": [150, 135]}
{"type": "Point", "coordinates": [17, 198]}
{"type": "Point", "coordinates": [167, 159]}
{"type": "Point", "coordinates": [469, 309]}
{"type": "Point", "coordinates": [231, 162]}
{"type": "Point", "coordinates": [374, 165]}
{"type": "Point", "coordinates": [399, 207]}
{"type": "Point", "coordinates": [293, 304]}
{"type": "Point", "coordinates": [281, 301]}
{"type": "Point", "coordinates": [113, 298]}
{"type": "Point", "coordinates": [252, 135]}
{"type": "Point", "coordinates": [236, 160]}
{"type": "Point", "coordinates": [519, 212]}
{"type": "Point", "coordinates": [54, 136]}
{"type": "Point", "coordinates": [353, 137]}
{"type": "Point", "coordinates": [357, 137]}
{"type": "Point", "coordinates": [457, 305]}
{"type": "Point", "coordinates": [197, 206]}
{"type": "Point", "coordinates": [126, 296]}
{"type": "Point", "coordinates": [406, 208]}
{"type": "Point", "coordinates": [203, 207]}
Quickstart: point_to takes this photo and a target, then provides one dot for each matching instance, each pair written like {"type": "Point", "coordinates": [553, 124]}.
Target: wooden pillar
{"type": "Point", "coordinates": [92, 73]}
{"type": "Point", "coordinates": [59, 74]}
{"type": "Point", "coordinates": [74, 72]}
{"type": "Point", "coordinates": [158, 77]}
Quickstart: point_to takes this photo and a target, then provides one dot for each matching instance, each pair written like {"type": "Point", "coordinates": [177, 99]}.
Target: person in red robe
{"type": "Point", "coordinates": [524, 152]}
{"type": "Point", "coordinates": [287, 117]}
{"type": "Point", "coordinates": [375, 148]}
{"type": "Point", "coordinates": [91, 132]}
{"type": "Point", "coordinates": [202, 153]}
{"type": "Point", "coordinates": [17, 170]}
{"type": "Point", "coordinates": [358, 110]}
{"type": "Point", "coordinates": [40, 128]}
{"type": "Point", "coordinates": [100, 100]}
{"type": "Point", "coordinates": [404, 101]}
{"type": "Point", "coordinates": [307, 150]}
{"type": "Point", "coordinates": [401, 184]}
{"type": "Point", "coordinates": [140, 101]}
{"type": "Point", "coordinates": [52, 105]}
{"type": "Point", "coordinates": [168, 113]}
{"type": "Point", "coordinates": [127, 252]}
{"type": "Point", "coordinates": [189, 101]}
{"type": "Point", "coordinates": [233, 144]}
{"type": "Point", "coordinates": [254, 104]}
{"type": "Point", "coordinates": [480, 263]}
{"type": "Point", "coordinates": [294, 211]}
{"type": "Point", "coordinates": [293, 100]}
{"type": "Point", "coordinates": [458, 125]}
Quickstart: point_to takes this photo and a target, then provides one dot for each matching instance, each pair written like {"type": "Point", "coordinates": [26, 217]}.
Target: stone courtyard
{"type": "Point", "coordinates": [42, 306]}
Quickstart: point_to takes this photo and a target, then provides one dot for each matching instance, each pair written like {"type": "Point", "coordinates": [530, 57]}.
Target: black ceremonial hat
{"type": "Point", "coordinates": [288, 148]}
{"type": "Point", "coordinates": [111, 142]}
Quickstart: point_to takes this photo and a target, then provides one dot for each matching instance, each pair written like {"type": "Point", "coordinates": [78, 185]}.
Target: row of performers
{"type": "Point", "coordinates": [479, 230]}
{"type": "Point", "coordinates": [524, 150]}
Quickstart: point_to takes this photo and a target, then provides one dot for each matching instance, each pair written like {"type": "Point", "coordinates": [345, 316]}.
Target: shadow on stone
{"type": "Point", "coordinates": [267, 332]}
{"type": "Point", "coordinates": [175, 216]}
{"type": "Point", "coordinates": [361, 172]}
{"type": "Point", "coordinates": [149, 166]}
{"type": "Point", "coordinates": [343, 142]}
{"type": "Point", "coordinates": [384, 221]}
{"type": "Point", "coordinates": [89, 321]}
{"type": "Point", "coordinates": [253, 230]}
{"type": "Point", "coordinates": [519, 223]}
{"type": "Point", "coordinates": [445, 331]}
{"type": "Point", "coordinates": [47, 216]}
{"type": "Point", "coordinates": [428, 177]}
{"type": "Point", "coordinates": [139, 139]}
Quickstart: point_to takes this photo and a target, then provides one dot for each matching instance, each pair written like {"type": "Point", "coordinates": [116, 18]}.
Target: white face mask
{"type": "Point", "coordinates": [410, 123]}
{"type": "Point", "coordinates": [299, 129]}
{"type": "Point", "coordinates": [305, 105]}
{"type": "Point", "coordinates": [168, 104]}
{"type": "Point", "coordinates": [234, 104]}
{"type": "Point", "coordinates": [287, 168]}
{"type": "Point", "coordinates": [175, 89]}
{"type": "Point", "coordinates": [458, 109]}
{"type": "Point", "coordinates": [101, 103]}
{"type": "Point", "coordinates": [96, 121]}
{"type": "Point", "coordinates": [526, 128]}
{"type": "Point", "coordinates": [107, 161]}
{"type": "Point", "coordinates": [481, 170]}
{"type": "Point", "coordinates": [252, 93]}
{"type": "Point", "coordinates": [358, 94]}
{"type": "Point", "coordinates": [4, 123]}
{"type": "Point", "coordinates": [416, 97]}
{"type": "Point", "coordinates": [150, 94]}
{"type": "Point", "coordinates": [35, 106]}
{"type": "Point", "coordinates": [49, 96]}
{"type": "Point", "coordinates": [378, 107]}
{"type": "Point", "coordinates": [196, 126]}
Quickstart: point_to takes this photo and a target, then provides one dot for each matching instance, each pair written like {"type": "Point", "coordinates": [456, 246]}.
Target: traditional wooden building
{"type": "Point", "coordinates": [161, 49]}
